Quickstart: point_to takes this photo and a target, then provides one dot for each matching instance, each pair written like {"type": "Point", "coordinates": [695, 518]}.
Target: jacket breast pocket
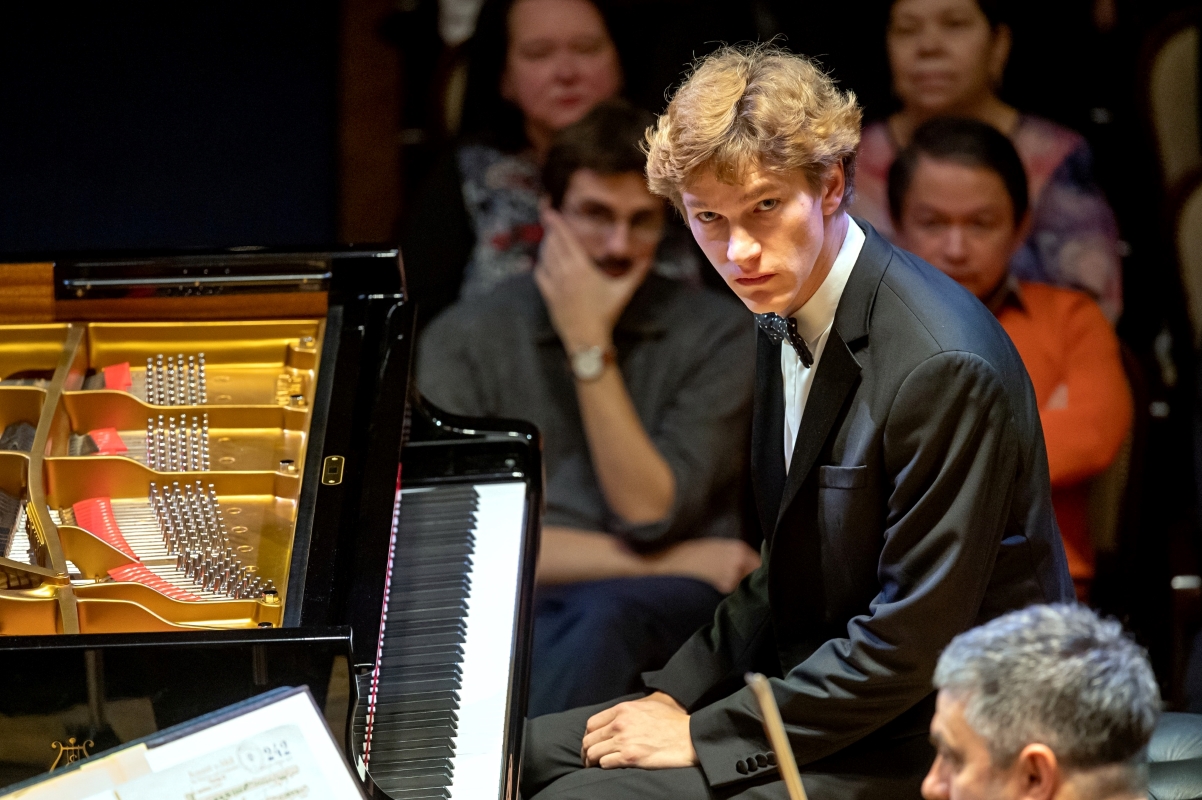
{"type": "Point", "coordinates": [842, 477]}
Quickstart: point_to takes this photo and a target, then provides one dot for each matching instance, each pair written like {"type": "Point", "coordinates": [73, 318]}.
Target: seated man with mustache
{"type": "Point", "coordinates": [641, 387]}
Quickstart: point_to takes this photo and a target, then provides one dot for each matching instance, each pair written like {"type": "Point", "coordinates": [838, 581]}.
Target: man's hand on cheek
{"type": "Point", "coordinates": [652, 733]}
{"type": "Point", "coordinates": [584, 303]}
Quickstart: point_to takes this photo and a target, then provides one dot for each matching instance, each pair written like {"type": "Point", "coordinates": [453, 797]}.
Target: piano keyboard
{"type": "Point", "coordinates": [438, 700]}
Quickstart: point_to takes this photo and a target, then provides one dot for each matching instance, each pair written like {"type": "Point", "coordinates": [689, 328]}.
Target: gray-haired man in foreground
{"type": "Point", "coordinates": [1047, 702]}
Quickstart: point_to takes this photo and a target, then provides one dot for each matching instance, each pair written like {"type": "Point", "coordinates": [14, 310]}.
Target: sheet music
{"type": "Point", "coordinates": [273, 765]}
{"type": "Point", "coordinates": [280, 750]}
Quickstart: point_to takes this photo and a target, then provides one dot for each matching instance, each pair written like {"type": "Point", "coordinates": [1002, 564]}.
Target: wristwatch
{"type": "Point", "coordinates": [589, 363]}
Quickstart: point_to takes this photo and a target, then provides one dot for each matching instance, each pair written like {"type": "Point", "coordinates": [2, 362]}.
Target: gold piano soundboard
{"type": "Point", "coordinates": [150, 472]}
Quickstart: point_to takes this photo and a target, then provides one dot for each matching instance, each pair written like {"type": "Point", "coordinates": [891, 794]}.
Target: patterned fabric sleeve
{"type": "Point", "coordinates": [1074, 239]}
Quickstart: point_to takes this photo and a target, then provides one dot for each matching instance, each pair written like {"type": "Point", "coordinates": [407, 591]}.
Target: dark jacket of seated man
{"type": "Point", "coordinates": [910, 503]}
{"type": "Point", "coordinates": [641, 387]}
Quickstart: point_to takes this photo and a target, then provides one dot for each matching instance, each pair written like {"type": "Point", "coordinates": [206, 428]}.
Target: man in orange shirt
{"type": "Point", "coordinates": [959, 199]}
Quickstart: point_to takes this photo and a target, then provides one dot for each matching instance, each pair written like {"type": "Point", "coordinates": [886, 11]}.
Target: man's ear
{"type": "Point", "coordinates": [1037, 773]}
{"type": "Point", "coordinates": [834, 185]}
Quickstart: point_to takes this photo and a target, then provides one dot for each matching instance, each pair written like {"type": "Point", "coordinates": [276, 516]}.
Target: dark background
{"type": "Point", "coordinates": [168, 124]}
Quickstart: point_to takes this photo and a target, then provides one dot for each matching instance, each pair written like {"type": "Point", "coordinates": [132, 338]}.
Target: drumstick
{"type": "Point", "coordinates": [776, 735]}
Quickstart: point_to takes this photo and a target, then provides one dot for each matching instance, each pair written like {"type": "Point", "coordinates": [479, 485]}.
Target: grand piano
{"type": "Point", "coordinates": [216, 478]}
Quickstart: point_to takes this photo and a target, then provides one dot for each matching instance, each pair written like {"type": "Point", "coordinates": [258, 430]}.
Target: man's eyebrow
{"type": "Point", "coordinates": [758, 190]}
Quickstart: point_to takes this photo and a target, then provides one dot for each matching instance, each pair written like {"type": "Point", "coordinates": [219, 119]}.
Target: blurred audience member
{"type": "Point", "coordinates": [536, 66]}
{"type": "Point", "coordinates": [641, 387]}
{"type": "Point", "coordinates": [947, 58]}
{"type": "Point", "coordinates": [958, 196]}
{"type": "Point", "coordinates": [1047, 703]}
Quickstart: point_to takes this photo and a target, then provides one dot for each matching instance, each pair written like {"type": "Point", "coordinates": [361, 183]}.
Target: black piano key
{"type": "Point", "coordinates": [440, 793]}
{"type": "Point", "coordinates": [418, 717]}
{"type": "Point", "coordinates": [436, 593]}
{"type": "Point", "coordinates": [402, 785]}
{"type": "Point", "coordinates": [418, 531]}
{"type": "Point", "coordinates": [401, 698]}
{"type": "Point", "coordinates": [441, 612]}
{"type": "Point", "coordinates": [410, 649]}
{"type": "Point", "coordinates": [413, 767]}
{"type": "Point", "coordinates": [418, 747]}
{"type": "Point", "coordinates": [441, 730]}
{"type": "Point", "coordinates": [439, 769]}
{"type": "Point", "coordinates": [421, 670]}
{"type": "Point", "coordinates": [430, 639]}
{"type": "Point", "coordinates": [421, 794]}
{"type": "Point", "coordinates": [421, 628]}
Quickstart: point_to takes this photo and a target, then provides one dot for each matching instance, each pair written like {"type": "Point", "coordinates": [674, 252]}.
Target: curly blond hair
{"type": "Point", "coordinates": [753, 107]}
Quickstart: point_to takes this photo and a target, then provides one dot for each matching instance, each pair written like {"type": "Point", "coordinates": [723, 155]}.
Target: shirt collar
{"type": "Point", "coordinates": [818, 313]}
{"type": "Point", "coordinates": [1007, 293]}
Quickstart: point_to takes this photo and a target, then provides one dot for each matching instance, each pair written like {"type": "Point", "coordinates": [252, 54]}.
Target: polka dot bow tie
{"type": "Point", "coordinates": [780, 329]}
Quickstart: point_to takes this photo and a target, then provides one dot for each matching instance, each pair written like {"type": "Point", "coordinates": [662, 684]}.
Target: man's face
{"type": "Point", "coordinates": [617, 220]}
{"type": "Point", "coordinates": [963, 768]}
{"type": "Point", "coordinates": [960, 219]}
{"type": "Point", "coordinates": [763, 234]}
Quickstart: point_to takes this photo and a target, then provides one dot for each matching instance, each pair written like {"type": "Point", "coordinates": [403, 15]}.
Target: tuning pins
{"type": "Point", "coordinates": [176, 380]}
{"type": "Point", "coordinates": [178, 444]}
{"type": "Point", "coordinates": [194, 531]}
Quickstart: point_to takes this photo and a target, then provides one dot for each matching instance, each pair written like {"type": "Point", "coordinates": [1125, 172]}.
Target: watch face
{"type": "Point", "coordinates": [587, 365]}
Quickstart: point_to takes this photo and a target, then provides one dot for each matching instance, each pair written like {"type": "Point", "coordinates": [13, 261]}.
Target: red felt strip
{"type": "Point", "coordinates": [95, 516]}
{"type": "Point", "coordinates": [108, 441]}
{"type": "Point", "coordinates": [116, 376]}
{"type": "Point", "coordinates": [139, 573]}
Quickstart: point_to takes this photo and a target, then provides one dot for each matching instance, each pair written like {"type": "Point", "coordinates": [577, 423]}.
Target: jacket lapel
{"type": "Point", "coordinates": [838, 374]}
{"type": "Point", "coordinates": [767, 434]}
{"type": "Point", "coordinates": [838, 371]}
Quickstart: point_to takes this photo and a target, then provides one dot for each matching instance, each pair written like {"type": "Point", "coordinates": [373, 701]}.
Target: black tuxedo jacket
{"type": "Point", "coordinates": [917, 506]}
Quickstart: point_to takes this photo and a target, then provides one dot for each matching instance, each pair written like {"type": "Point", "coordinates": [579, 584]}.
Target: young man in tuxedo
{"type": "Point", "coordinates": [899, 472]}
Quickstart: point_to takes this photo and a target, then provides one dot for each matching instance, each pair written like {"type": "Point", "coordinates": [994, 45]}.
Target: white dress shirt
{"type": "Point", "coordinates": [814, 321]}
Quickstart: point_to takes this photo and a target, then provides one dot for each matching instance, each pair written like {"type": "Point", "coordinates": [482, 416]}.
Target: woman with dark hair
{"type": "Point", "coordinates": [535, 67]}
{"type": "Point", "coordinates": [947, 59]}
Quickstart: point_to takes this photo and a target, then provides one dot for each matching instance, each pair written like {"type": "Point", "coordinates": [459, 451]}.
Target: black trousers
{"type": "Point", "coordinates": [551, 770]}
{"type": "Point", "coordinates": [593, 640]}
